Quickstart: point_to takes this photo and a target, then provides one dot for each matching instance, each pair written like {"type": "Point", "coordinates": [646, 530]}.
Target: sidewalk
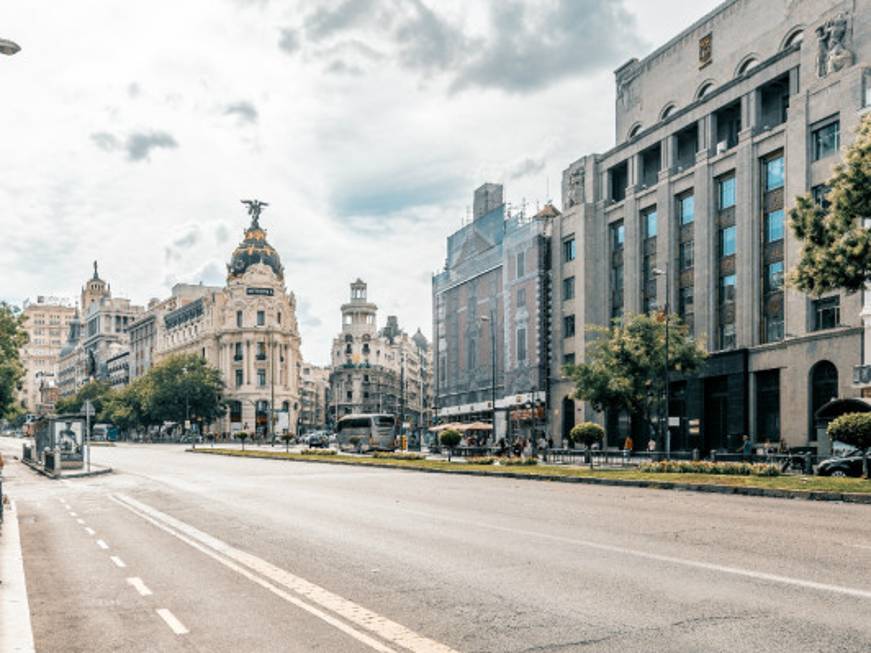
{"type": "Point", "coordinates": [16, 635]}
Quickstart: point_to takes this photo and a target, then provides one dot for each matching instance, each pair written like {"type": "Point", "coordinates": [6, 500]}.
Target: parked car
{"type": "Point", "coordinates": [317, 440]}
{"type": "Point", "coordinates": [849, 464]}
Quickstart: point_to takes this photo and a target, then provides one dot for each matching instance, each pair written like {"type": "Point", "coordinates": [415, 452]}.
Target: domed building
{"type": "Point", "coordinates": [247, 329]}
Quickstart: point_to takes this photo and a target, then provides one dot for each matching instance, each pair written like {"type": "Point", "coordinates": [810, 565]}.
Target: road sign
{"type": "Point", "coordinates": [674, 421]}
{"type": "Point", "coordinates": [88, 408]}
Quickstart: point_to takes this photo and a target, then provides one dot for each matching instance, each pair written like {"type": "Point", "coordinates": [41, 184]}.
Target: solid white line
{"type": "Point", "coordinates": [299, 588]}
{"type": "Point", "coordinates": [174, 624]}
{"type": "Point", "coordinates": [697, 564]}
{"type": "Point", "coordinates": [81, 521]}
{"type": "Point", "coordinates": [90, 531]}
{"type": "Point", "coordinates": [118, 561]}
{"type": "Point", "coordinates": [140, 587]}
{"type": "Point", "coordinates": [14, 607]}
{"type": "Point", "coordinates": [102, 544]}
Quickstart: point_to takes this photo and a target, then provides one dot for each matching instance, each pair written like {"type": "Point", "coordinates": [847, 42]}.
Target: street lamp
{"type": "Point", "coordinates": [664, 412]}
{"type": "Point", "coordinates": [8, 47]}
{"type": "Point", "coordinates": [491, 320]}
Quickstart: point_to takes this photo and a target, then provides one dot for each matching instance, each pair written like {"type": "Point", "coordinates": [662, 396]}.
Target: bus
{"type": "Point", "coordinates": [366, 433]}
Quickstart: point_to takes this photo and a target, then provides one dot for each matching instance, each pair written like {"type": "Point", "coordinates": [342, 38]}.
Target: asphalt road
{"type": "Point", "coordinates": [177, 552]}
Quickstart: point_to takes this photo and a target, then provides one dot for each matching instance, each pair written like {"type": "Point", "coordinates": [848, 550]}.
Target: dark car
{"type": "Point", "coordinates": [850, 464]}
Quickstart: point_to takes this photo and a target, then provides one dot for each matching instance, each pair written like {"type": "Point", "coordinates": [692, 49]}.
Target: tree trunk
{"type": "Point", "coordinates": [590, 455]}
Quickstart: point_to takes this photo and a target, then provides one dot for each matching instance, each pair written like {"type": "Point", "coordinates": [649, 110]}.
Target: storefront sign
{"type": "Point", "coordinates": [268, 292]}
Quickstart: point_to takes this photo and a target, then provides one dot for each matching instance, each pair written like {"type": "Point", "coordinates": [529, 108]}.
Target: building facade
{"type": "Point", "coordinates": [491, 318]}
{"type": "Point", "coordinates": [374, 371]}
{"type": "Point", "coordinates": [315, 393]}
{"type": "Point", "coordinates": [46, 322]}
{"type": "Point", "coordinates": [246, 329]}
{"type": "Point", "coordinates": [717, 132]}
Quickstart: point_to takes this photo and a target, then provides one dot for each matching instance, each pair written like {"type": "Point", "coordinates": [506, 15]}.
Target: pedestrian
{"type": "Point", "coordinates": [746, 449]}
{"type": "Point", "coordinates": [651, 445]}
{"type": "Point", "coordinates": [628, 444]}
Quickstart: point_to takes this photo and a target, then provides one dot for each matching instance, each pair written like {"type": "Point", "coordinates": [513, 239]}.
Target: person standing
{"type": "Point", "coordinates": [746, 449]}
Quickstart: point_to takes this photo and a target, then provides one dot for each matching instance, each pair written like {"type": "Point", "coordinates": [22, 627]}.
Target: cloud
{"type": "Point", "coordinates": [105, 141]}
{"type": "Point", "coordinates": [527, 45]}
{"type": "Point", "coordinates": [289, 40]}
{"type": "Point", "coordinates": [222, 234]}
{"type": "Point", "coordinates": [246, 111]}
{"type": "Point", "coordinates": [133, 90]}
{"type": "Point", "coordinates": [527, 167]}
{"type": "Point", "coordinates": [339, 67]}
{"type": "Point", "coordinates": [140, 144]}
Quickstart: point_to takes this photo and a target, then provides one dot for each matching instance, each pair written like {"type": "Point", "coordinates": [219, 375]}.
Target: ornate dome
{"type": "Point", "coordinates": [254, 248]}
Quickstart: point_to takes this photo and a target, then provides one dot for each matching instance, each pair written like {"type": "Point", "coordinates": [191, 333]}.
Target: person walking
{"type": "Point", "coordinates": [746, 449]}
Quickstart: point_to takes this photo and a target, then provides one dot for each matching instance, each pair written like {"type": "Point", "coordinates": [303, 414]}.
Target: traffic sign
{"type": "Point", "coordinates": [88, 408]}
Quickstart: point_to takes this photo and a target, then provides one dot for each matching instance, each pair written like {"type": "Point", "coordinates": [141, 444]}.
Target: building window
{"type": "Point", "coordinates": [826, 313]}
{"type": "Point", "coordinates": [773, 328]}
{"type": "Point", "coordinates": [521, 264]}
{"type": "Point", "coordinates": [472, 354]}
{"type": "Point", "coordinates": [617, 291]}
{"type": "Point", "coordinates": [521, 344]}
{"type": "Point", "coordinates": [261, 377]}
{"type": "Point", "coordinates": [279, 317]}
{"type": "Point", "coordinates": [238, 318]}
{"type": "Point", "coordinates": [685, 255]}
{"type": "Point", "coordinates": [727, 336]}
{"type": "Point", "coordinates": [521, 297]}
{"type": "Point", "coordinates": [261, 318]}
{"type": "Point", "coordinates": [774, 173]}
{"type": "Point", "coordinates": [820, 195]}
{"type": "Point", "coordinates": [727, 241]}
{"type": "Point", "coordinates": [826, 140]}
{"type": "Point", "coordinates": [686, 208]}
{"type": "Point", "coordinates": [773, 226]}
{"type": "Point", "coordinates": [768, 406]}
{"type": "Point", "coordinates": [261, 351]}
{"type": "Point", "coordinates": [774, 277]}
{"type": "Point", "coordinates": [237, 356]}
{"type": "Point", "coordinates": [568, 359]}
{"type": "Point", "coordinates": [727, 289]}
{"type": "Point", "coordinates": [568, 326]}
{"type": "Point", "coordinates": [238, 378]}
{"type": "Point", "coordinates": [685, 302]}
{"type": "Point", "coordinates": [618, 236]}
{"type": "Point", "coordinates": [726, 192]}
{"type": "Point", "coordinates": [568, 288]}
{"type": "Point", "coordinates": [569, 252]}
{"type": "Point", "coordinates": [648, 223]}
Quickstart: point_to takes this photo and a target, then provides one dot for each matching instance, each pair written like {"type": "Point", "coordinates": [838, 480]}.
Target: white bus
{"type": "Point", "coordinates": [366, 433]}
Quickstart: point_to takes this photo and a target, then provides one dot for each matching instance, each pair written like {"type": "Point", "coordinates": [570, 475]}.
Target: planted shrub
{"type": "Point", "coordinates": [517, 462]}
{"type": "Point", "coordinates": [398, 455]}
{"type": "Point", "coordinates": [481, 460]}
{"type": "Point", "coordinates": [450, 438]}
{"type": "Point", "coordinates": [318, 452]}
{"type": "Point", "coordinates": [242, 436]}
{"type": "Point", "coordinates": [853, 429]}
{"type": "Point", "coordinates": [588, 433]}
{"type": "Point", "coordinates": [707, 467]}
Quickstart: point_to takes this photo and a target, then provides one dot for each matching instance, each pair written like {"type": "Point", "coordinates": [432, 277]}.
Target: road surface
{"type": "Point", "coordinates": [179, 552]}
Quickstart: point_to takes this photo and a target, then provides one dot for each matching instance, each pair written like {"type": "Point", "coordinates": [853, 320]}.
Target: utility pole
{"type": "Point", "coordinates": [271, 388]}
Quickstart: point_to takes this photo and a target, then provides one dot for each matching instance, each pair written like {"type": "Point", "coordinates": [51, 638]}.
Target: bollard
{"type": "Point", "coordinates": [808, 464]}
{"type": "Point", "coordinates": [696, 455]}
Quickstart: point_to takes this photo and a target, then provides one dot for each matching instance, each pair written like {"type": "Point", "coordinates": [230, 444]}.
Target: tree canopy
{"type": "Point", "coordinates": [836, 242]}
{"type": "Point", "coordinates": [12, 339]}
{"type": "Point", "coordinates": [625, 364]}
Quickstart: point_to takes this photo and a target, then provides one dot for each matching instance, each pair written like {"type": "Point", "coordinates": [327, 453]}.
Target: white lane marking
{"type": "Point", "coordinates": [139, 586]}
{"type": "Point", "coordinates": [697, 564]}
{"type": "Point", "coordinates": [174, 624]}
{"type": "Point", "coordinates": [358, 615]}
{"type": "Point", "coordinates": [90, 531]}
{"type": "Point", "coordinates": [81, 521]}
{"type": "Point", "coordinates": [118, 561]}
{"type": "Point", "coordinates": [102, 544]}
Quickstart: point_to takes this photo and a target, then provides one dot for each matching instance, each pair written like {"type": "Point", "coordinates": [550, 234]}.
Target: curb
{"type": "Point", "coordinates": [40, 470]}
{"type": "Point", "coordinates": [808, 495]}
{"type": "Point", "coordinates": [16, 633]}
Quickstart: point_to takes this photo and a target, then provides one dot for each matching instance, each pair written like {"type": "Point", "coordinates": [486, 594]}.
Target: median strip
{"type": "Point", "coordinates": [783, 487]}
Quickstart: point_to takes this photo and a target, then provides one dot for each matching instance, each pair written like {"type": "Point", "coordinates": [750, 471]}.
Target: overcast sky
{"type": "Point", "coordinates": [129, 131]}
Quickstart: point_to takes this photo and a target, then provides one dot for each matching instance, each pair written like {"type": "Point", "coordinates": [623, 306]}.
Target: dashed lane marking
{"type": "Point", "coordinates": [102, 544]}
{"type": "Point", "coordinates": [118, 562]}
{"type": "Point", "coordinates": [302, 593]}
{"type": "Point", "coordinates": [139, 586]}
{"type": "Point", "coordinates": [174, 624]}
{"type": "Point", "coordinates": [90, 531]}
{"type": "Point", "coordinates": [81, 521]}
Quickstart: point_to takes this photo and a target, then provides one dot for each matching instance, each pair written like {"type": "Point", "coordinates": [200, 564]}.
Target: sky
{"type": "Point", "coordinates": [130, 131]}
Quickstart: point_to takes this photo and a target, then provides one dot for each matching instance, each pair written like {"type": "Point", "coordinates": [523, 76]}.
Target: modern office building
{"type": "Point", "coordinates": [491, 317]}
{"type": "Point", "coordinates": [717, 132]}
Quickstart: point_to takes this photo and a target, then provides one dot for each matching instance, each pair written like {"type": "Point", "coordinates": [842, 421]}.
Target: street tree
{"type": "Point", "coordinates": [12, 339]}
{"type": "Point", "coordinates": [625, 364]}
{"type": "Point", "coordinates": [242, 436]}
{"type": "Point", "coordinates": [97, 392]}
{"type": "Point", "coordinates": [450, 438]}
{"type": "Point", "coordinates": [835, 235]}
{"type": "Point", "coordinates": [853, 429]}
{"type": "Point", "coordinates": [128, 408]}
{"type": "Point", "coordinates": [589, 433]}
{"type": "Point", "coordinates": [184, 387]}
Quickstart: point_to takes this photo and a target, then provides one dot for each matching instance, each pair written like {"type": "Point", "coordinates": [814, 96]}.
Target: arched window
{"type": "Point", "coordinates": [704, 89]}
{"type": "Point", "coordinates": [634, 130]}
{"type": "Point", "coordinates": [667, 111]}
{"type": "Point", "coordinates": [794, 38]}
{"type": "Point", "coordinates": [748, 64]}
{"type": "Point", "coordinates": [823, 388]}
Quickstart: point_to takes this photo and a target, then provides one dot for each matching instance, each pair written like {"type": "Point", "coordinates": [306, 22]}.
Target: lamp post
{"type": "Point", "coordinates": [491, 319]}
{"type": "Point", "coordinates": [8, 47]}
{"type": "Point", "coordinates": [665, 411]}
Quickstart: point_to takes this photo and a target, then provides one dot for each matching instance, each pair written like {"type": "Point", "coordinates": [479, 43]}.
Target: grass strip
{"type": "Point", "coordinates": [804, 484]}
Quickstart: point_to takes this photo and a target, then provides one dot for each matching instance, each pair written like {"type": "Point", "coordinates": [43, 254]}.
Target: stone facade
{"type": "Point", "coordinates": [374, 371]}
{"type": "Point", "coordinates": [46, 322]}
{"type": "Point", "coordinates": [315, 388]}
{"type": "Point", "coordinates": [717, 132]}
{"type": "Point", "coordinates": [494, 290]}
